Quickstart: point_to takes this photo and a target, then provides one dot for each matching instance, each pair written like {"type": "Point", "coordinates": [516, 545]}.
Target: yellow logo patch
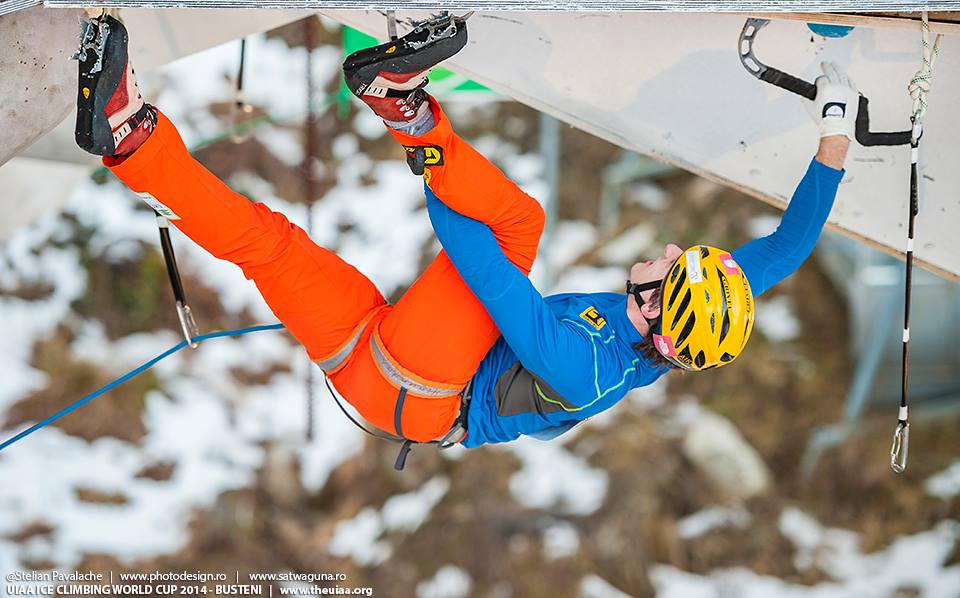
{"type": "Point", "coordinates": [391, 50]}
{"type": "Point", "coordinates": [593, 317]}
{"type": "Point", "coordinates": [86, 93]}
{"type": "Point", "coordinates": [427, 175]}
{"type": "Point", "coordinates": [432, 154]}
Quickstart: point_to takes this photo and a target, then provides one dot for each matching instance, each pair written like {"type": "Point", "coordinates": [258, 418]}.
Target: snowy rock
{"type": "Point", "coordinates": [627, 247]}
{"type": "Point", "coordinates": [648, 195]}
{"type": "Point", "coordinates": [560, 540]}
{"type": "Point", "coordinates": [702, 522]}
{"type": "Point", "coordinates": [407, 512]}
{"type": "Point", "coordinates": [553, 477]}
{"type": "Point", "coordinates": [449, 582]}
{"type": "Point", "coordinates": [715, 445]}
{"type": "Point", "coordinates": [592, 586]}
{"type": "Point", "coordinates": [357, 538]}
{"type": "Point", "coordinates": [945, 484]}
{"type": "Point", "coordinates": [776, 319]}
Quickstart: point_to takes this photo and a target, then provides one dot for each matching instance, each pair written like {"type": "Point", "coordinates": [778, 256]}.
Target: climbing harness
{"type": "Point", "coordinates": [453, 437]}
{"type": "Point", "coordinates": [457, 431]}
{"type": "Point", "coordinates": [918, 88]}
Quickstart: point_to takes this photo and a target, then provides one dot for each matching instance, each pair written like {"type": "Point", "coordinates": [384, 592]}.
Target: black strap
{"type": "Point", "coordinates": [406, 445]}
{"type": "Point", "coordinates": [336, 399]}
{"type": "Point", "coordinates": [401, 461]}
{"type": "Point", "coordinates": [398, 412]}
{"type": "Point", "coordinates": [633, 287]}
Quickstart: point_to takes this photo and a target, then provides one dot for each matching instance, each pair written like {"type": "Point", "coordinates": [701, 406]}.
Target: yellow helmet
{"type": "Point", "coordinates": [706, 310]}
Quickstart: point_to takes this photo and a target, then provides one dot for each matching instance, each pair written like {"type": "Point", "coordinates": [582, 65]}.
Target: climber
{"type": "Point", "coordinates": [472, 352]}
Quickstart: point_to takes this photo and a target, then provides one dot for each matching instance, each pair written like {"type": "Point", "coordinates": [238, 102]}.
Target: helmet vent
{"type": "Point", "coordinates": [674, 294]}
{"type": "Point", "coordinates": [700, 359]}
{"type": "Point", "coordinates": [726, 358]}
{"type": "Point", "coordinates": [687, 329]}
{"type": "Point", "coordinates": [676, 273]}
{"type": "Point", "coordinates": [683, 305]}
{"type": "Point", "coordinates": [725, 325]}
{"type": "Point", "coordinates": [713, 323]}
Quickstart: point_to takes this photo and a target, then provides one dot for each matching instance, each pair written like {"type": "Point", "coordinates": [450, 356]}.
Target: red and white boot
{"type": "Point", "coordinates": [390, 77]}
{"type": "Point", "coordinates": [112, 118]}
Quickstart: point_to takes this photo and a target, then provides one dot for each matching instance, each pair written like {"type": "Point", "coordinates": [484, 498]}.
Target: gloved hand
{"type": "Point", "coordinates": [838, 100]}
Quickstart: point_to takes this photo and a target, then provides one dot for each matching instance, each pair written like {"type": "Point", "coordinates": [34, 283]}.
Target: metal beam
{"type": "Point", "coordinates": [8, 6]}
{"type": "Point", "coordinates": [579, 5]}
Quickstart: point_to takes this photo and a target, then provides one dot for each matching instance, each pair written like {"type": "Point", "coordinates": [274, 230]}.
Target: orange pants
{"type": "Point", "coordinates": [432, 340]}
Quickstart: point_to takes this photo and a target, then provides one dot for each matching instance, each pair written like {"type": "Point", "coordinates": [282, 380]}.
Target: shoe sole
{"type": "Point", "coordinates": [93, 132]}
{"type": "Point", "coordinates": [363, 66]}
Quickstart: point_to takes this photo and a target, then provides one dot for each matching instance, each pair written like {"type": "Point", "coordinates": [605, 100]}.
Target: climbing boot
{"type": "Point", "coordinates": [112, 118]}
{"type": "Point", "coordinates": [390, 77]}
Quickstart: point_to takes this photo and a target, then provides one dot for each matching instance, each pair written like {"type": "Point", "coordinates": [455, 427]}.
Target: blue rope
{"type": "Point", "coordinates": [146, 366]}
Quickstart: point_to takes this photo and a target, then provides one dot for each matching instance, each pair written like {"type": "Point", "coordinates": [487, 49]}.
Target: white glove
{"type": "Point", "coordinates": [837, 102]}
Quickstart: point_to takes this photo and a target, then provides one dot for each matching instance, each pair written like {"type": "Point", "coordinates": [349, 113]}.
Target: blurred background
{"type": "Point", "coordinates": [769, 477]}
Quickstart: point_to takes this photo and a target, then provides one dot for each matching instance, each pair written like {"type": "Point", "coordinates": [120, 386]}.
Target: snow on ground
{"type": "Point", "coordinates": [761, 226]}
{"type": "Point", "coordinates": [360, 538]}
{"type": "Point", "coordinates": [593, 586]}
{"type": "Point", "coordinates": [24, 259]}
{"type": "Point", "coordinates": [553, 477]}
{"type": "Point", "coordinates": [707, 520]}
{"type": "Point", "coordinates": [946, 484]}
{"type": "Point", "coordinates": [648, 194]}
{"type": "Point", "coordinates": [449, 582]}
{"type": "Point", "coordinates": [916, 561]}
{"type": "Point", "coordinates": [560, 540]}
{"type": "Point", "coordinates": [630, 245]}
{"type": "Point", "coordinates": [407, 512]}
{"type": "Point", "coordinates": [776, 319]}
{"type": "Point", "coordinates": [570, 239]}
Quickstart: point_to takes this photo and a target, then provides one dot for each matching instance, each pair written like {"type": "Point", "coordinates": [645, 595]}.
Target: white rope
{"type": "Point", "coordinates": [919, 86]}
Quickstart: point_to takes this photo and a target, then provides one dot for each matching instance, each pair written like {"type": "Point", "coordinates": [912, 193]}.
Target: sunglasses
{"type": "Point", "coordinates": [635, 289]}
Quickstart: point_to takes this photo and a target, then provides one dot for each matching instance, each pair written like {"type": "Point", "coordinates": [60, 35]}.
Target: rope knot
{"type": "Point", "coordinates": [919, 85]}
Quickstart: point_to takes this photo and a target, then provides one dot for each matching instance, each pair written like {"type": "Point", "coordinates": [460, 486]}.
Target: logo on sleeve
{"type": "Point", "coordinates": [155, 203]}
{"type": "Point", "coordinates": [419, 157]}
{"type": "Point", "coordinates": [432, 154]}
{"type": "Point", "coordinates": [593, 317]}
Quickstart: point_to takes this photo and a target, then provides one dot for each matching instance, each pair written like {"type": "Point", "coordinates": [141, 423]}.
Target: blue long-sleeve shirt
{"type": "Point", "coordinates": [579, 347]}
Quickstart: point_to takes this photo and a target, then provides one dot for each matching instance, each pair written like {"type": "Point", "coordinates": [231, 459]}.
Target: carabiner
{"type": "Point", "coordinates": [901, 443]}
{"type": "Point", "coordinates": [187, 324]}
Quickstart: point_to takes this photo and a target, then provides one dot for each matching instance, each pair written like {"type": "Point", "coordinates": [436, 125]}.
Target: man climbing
{"type": "Point", "coordinates": [472, 352]}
